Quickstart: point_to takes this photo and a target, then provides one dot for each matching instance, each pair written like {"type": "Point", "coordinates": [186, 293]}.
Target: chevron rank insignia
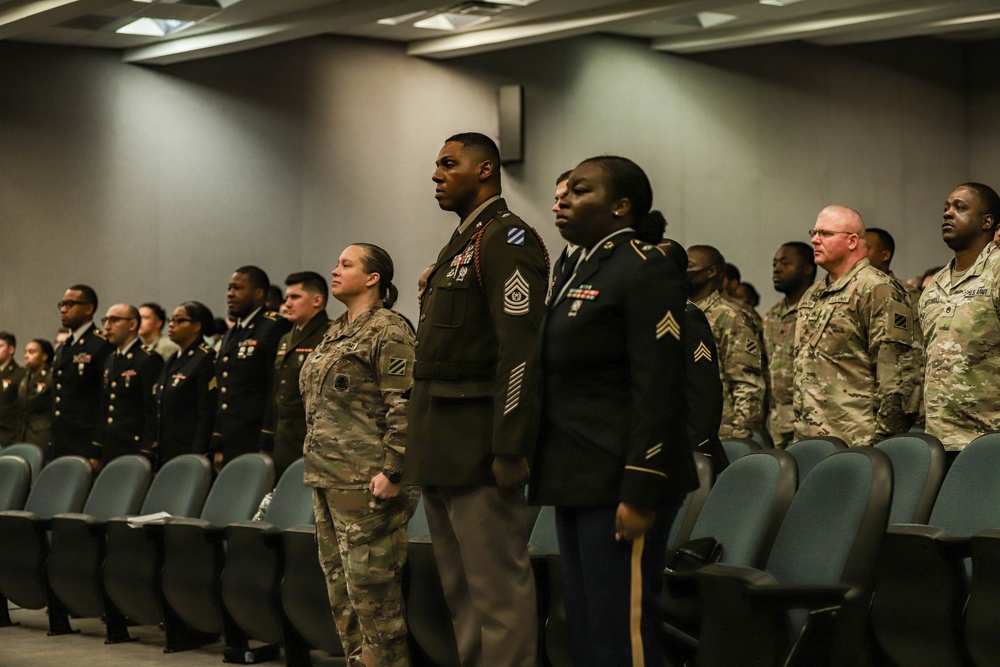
{"type": "Point", "coordinates": [668, 325]}
{"type": "Point", "coordinates": [515, 236]}
{"type": "Point", "coordinates": [397, 366]}
{"type": "Point", "coordinates": [751, 346]}
{"type": "Point", "coordinates": [702, 353]}
{"type": "Point", "coordinates": [515, 294]}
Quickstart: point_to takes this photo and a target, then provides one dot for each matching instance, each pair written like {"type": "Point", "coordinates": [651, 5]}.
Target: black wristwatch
{"type": "Point", "coordinates": [392, 475]}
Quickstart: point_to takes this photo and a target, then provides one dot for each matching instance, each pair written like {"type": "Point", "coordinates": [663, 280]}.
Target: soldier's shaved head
{"type": "Point", "coordinates": [849, 219]}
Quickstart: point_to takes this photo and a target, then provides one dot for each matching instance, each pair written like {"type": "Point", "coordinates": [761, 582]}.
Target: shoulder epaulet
{"type": "Point", "coordinates": [100, 334]}
{"type": "Point", "coordinates": [646, 250]}
{"type": "Point", "coordinates": [205, 348]}
{"type": "Point", "coordinates": [271, 315]}
{"type": "Point", "coordinates": [503, 214]}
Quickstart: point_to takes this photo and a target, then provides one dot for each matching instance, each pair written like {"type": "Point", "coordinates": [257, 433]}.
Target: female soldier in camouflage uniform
{"type": "Point", "coordinates": [355, 387]}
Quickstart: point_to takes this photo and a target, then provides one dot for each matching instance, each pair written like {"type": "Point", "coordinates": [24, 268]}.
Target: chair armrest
{"type": "Point", "coordinates": [949, 546]}
{"type": "Point", "coordinates": [803, 595]}
{"type": "Point", "coordinates": [212, 532]}
{"type": "Point", "coordinates": [267, 532]}
{"type": "Point", "coordinates": [681, 584]}
{"type": "Point", "coordinates": [95, 526]}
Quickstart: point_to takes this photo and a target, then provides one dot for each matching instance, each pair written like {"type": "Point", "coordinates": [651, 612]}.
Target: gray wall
{"type": "Point", "coordinates": [156, 183]}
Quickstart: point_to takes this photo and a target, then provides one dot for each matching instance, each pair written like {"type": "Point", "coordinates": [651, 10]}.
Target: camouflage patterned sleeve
{"type": "Point", "coordinates": [744, 370]}
{"type": "Point", "coordinates": [393, 361]}
{"type": "Point", "coordinates": [890, 345]}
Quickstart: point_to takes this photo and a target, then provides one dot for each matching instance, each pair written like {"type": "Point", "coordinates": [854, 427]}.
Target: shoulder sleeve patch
{"type": "Point", "coordinates": [515, 235]}
{"type": "Point", "coordinates": [899, 325]}
{"type": "Point", "coordinates": [396, 367]}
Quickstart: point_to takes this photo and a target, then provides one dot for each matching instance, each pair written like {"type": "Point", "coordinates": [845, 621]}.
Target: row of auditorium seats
{"type": "Point", "coordinates": [802, 554]}
{"type": "Point", "coordinates": [834, 567]}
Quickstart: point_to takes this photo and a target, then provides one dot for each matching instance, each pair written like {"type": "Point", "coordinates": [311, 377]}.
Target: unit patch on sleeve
{"type": "Point", "coordinates": [397, 366]}
{"type": "Point", "coordinates": [515, 236]}
{"type": "Point", "coordinates": [516, 294]}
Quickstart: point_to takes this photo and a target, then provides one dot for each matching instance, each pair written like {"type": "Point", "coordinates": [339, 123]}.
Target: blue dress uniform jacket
{"type": "Point", "coordinates": [34, 398]}
{"type": "Point", "coordinates": [244, 420]}
{"type": "Point", "coordinates": [475, 383]}
{"type": "Point", "coordinates": [10, 424]}
{"type": "Point", "coordinates": [290, 413]}
{"type": "Point", "coordinates": [78, 371]}
{"type": "Point", "coordinates": [614, 423]}
{"type": "Point", "coordinates": [127, 423]}
{"type": "Point", "coordinates": [704, 387]}
{"type": "Point", "coordinates": [186, 403]}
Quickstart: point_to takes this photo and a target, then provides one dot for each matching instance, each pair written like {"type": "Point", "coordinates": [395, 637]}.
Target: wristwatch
{"type": "Point", "coordinates": [392, 475]}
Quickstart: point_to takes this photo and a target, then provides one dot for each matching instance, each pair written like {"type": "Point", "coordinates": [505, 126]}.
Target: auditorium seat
{"type": "Point", "coordinates": [76, 554]}
{"type": "Point", "coordinates": [762, 437]}
{"type": "Point", "coordinates": [687, 515]}
{"type": "Point", "coordinates": [254, 564]}
{"type": "Point", "coordinates": [982, 613]}
{"type": "Point", "coordinates": [922, 584]}
{"type": "Point", "coordinates": [134, 555]}
{"type": "Point", "coordinates": [808, 605]}
{"type": "Point", "coordinates": [743, 514]}
{"type": "Point", "coordinates": [543, 544]}
{"type": "Point", "coordinates": [194, 552]}
{"type": "Point", "coordinates": [918, 467]}
{"type": "Point", "coordinates": [304, 599]}
{"type": "Point", "coordinates": [61, 487]}
{"type": "Point", "coordinates": [33, 454]}
{"type": "Point", "coordinates": [810, 451]}
{"type": "Point", "coordinates": [15, 482]}
{"type": "Point", "coordinates": [737, 448]}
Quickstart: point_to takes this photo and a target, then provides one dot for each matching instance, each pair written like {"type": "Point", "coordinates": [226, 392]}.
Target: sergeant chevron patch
{"type": "Point", "coordinates": [515, 294]}
{"type": "Point", "coordinates": [668, 325]}
{"type": "Point", "coordinates": [702, 352]}
{"type": "Point", "coordinates": [514, 388]}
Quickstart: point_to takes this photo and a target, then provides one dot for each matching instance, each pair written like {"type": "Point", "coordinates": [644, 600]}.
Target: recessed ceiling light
{"type": "Point", "coordinates": [712, 19]}
{"type": "Point", "coordinates": [151, 27]}
{"type": "Point", "coordinates": [450, 21]}
{"type": "Point", "coordinates": [779, 3]}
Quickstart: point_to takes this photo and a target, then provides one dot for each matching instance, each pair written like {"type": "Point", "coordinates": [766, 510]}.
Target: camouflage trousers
{"type": "Point", "coordinates": [362, 549]}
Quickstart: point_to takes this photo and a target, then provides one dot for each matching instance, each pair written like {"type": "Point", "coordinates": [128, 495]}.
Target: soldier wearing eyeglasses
{"type": "Point", "coordinates": [854, 362]}
{"type": "Point", "coordinates": [127, 417]}
{"type": "Point", "coordinates": [78, 371]}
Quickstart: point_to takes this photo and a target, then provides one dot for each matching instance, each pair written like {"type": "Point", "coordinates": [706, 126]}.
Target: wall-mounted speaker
{"type": "Point", "coordinates": [510, 100]}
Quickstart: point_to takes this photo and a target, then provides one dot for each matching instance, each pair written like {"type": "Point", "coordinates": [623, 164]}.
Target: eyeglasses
{"type": "Point", "coordinates": [825, 233]}
{"type": "Point", "coordinates": [178, 320]}
{"type": "Point", "coordinates": [69, 303]}
{"type": "Point", "coordinates": [114, 319]}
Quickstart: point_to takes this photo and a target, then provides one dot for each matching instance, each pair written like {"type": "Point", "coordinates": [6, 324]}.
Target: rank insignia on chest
{"type": "Point", "coordinates": [341, 382]}
{"type": "Point", "coordinates": [515, 236]}
{"type": "Point", "coordinates": [575, 308]}
{"type": "Point", "coordinates": [582, 292]}
{"type": "Point", "coordinates": [702, 353]}
{"type": "Point", "coordinates": [397, 366]}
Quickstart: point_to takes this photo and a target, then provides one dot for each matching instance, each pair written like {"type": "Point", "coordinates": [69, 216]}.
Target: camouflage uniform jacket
{"type": "Point", "coordinates": [740, 366]}
{"type": "Point", "coordinates": [355, 388]}
{"type": "Point", "coordinates": [779, 343]}
{"type": "Point", "coordinates": [961, 325]}
{"type": "Point", "coordinates": [854, 358]}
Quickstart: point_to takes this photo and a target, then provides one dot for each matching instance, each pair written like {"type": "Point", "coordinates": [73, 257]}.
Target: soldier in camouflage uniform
{"type": "Point", "coordinates": [738, 342]}
{"type": "Point", "coordinates": [793, 272]}
{"type": "Point", "coordinates": [854, 340]}
{"type": "Point", "coordinates": [355, 387]}
{"type": "Point", "coordinates": [960, 318]}
{"type": "Point", "coordinates": [881, 249]}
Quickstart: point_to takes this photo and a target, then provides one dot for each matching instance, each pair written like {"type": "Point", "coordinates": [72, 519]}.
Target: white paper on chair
{"type": "Point", "coordinates": [140, 521]}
